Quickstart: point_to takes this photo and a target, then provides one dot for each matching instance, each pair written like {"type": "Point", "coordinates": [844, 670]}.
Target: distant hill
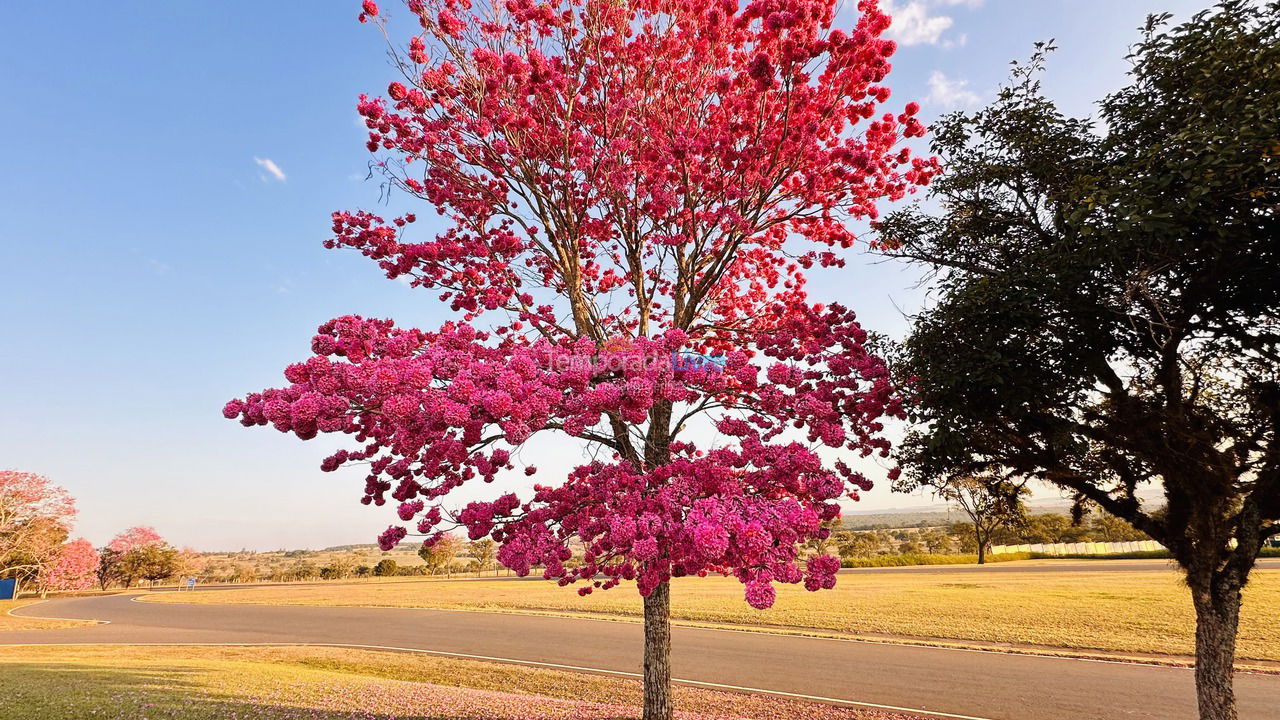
{"type": "Point", "coordinates": [892, 519]}
{"type": "Point", "coordinates": [931, 515]}
{"type": "Point", "coordinates": [349, 548]}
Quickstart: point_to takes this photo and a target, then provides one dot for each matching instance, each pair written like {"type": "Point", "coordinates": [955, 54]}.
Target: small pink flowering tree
{"type": "Point", "coordinates": [628, 188]}
{"type": "Point", "coordinates": [75, 568]}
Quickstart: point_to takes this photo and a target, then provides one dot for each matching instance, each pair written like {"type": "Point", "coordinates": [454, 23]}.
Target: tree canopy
{"type": "Point", "coordinates": [1107, 305]}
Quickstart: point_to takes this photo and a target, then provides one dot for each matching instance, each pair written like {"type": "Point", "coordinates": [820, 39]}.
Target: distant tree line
{"type": "Point", "coordinates": [960, 537]}
{"type": "Point", "coordinates": [449, 557]}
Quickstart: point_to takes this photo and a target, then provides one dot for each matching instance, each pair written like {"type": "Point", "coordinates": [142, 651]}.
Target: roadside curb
{"type": "Point", "coordinates": [10, 613]}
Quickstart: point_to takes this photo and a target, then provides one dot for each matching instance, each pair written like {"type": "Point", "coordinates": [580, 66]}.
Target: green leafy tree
{"type": "Point", "coordinates": [1052, 528]}
{"type": "Point", "coordinates": [243, 573]}
{"type": "Point", "coordinates": [386, 567]}
{"type": "Point", "coordinates": [152, 562]}
{"type": "Point", "coordinates": [439, 557]}
{"type": "Point", "coordinates": [482, 551]}
{"type": "Point", "coordinates": [1108, 303]}
{"type": "Point", "coordinates": [937, 542]}
{"type": "Point", "coordinates": [109, 571]}
{"type": "Point", "coordinates": [1109, 528]}
{"type": "Point", "coordinates": [338, 568]}
{"type": "Point", "coordinates": [304, 570]}
{"type": "Point", "coordinates": [855, 544]}
{"type": "Point", "coordinates": [965, 538]}
{"type": "Point", "coordinates": [992, 503]}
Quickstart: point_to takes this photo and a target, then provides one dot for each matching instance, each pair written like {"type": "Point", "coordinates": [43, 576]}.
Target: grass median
{"type": "Point", "coordinates": [1139, 611]}
{"type": "Point", "coordinates": [292, 683]}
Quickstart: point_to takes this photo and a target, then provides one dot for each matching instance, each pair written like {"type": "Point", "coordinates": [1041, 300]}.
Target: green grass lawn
{"type": "Point", "coordinates": [292, 683]}
{"type": "Point", "coordinates": [1109, 610]}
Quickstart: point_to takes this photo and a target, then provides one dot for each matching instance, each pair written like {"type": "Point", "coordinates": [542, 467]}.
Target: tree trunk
{"type": "Point", "coordinates": [1217, 603]}
{"type": "Point", "coordinates": [657, 654]}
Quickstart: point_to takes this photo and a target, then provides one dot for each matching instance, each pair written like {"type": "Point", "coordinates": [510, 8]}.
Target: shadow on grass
{"type": "Point", "coordinates": [160, 692]}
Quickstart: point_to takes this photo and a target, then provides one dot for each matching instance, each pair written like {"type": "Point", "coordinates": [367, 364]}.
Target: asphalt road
{"type": "Point", "coordinates": [949, 683]}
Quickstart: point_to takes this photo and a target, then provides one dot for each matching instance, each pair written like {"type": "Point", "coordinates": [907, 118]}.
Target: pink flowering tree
{"type": "Point", "coordinates": [631, 194]}
{"type": "Point", "coordinates": [134, 538]}
{"type": "Point", "coordinates": [36, 517]}
{"type": "Point", "coordinates": [134, 554]}
{"type": "Point", "coordinates": [75, 568]}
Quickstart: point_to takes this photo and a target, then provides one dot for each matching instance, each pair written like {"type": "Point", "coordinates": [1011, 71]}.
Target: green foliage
{"type": "Point", "coordinates": [482, 551]}
{"type": "Point", "coordinates": [904, 560]}
{"type": "Point", "coordinates": [440, 556]}
{"type": "Point", "coordinates": [152, 563]}
{"type": "Point", "coordinates": [1057, 528]}
{"type": "Point", "coordinates": [1135, 555]}
{"type": "Point", "coordinates": [304, 570]}
{"type": "Point", "coordinates": [1108, 298]}
{"type": "Point", "coordinates": [385, 568]}
{"type": "Point", "coordinates": [109, 570]}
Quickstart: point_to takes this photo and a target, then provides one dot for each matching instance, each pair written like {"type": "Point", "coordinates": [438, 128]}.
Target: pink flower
{"type": "Point", "coordinates": [391, 537]}
{"type": "Point", "coordinates": [644, 177]}
{"type": "Point", "coordinates": [450, 24]}
{"type": "Point", "coordinates": [760, 595]}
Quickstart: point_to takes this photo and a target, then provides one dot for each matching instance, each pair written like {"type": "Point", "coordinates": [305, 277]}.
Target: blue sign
{"type": "Point", "coordinates": [8, 588]}
{"type": "Point", "coordinates": [690, 361]}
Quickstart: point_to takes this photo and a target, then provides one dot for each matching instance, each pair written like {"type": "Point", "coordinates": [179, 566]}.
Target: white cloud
{"type": "Point", "coordinates": [269, 165]}
{"type": "Point", "coordinates": [913, 25]}
{"type": "Point", "coordinates": [950, 94]}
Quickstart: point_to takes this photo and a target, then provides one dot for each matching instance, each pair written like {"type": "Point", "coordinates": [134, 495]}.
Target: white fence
{"type": "Point", "coordinates": [1085, 548]}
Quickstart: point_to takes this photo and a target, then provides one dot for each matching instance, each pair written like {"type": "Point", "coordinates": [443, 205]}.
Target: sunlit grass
{"type": "Point", "coordinates": [291, 683]}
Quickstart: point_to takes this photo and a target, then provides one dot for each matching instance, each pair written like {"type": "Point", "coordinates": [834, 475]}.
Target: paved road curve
{"type": "Point", "coordinates": [956, 682]}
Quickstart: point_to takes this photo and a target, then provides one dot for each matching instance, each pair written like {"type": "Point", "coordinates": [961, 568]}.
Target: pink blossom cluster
{"type": "Point", "coordinates": [432, 411]}
{"type": "Point", "coordinates": [133, 538]}
{"type": "Point", "coordinates": [619, 181]}
{"type": "Point", "coordinates": [519, 145]}
{"type": "Point", "coordinates": [74, 569]}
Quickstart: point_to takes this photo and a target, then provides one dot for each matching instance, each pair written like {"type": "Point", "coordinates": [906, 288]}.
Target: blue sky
{"type": "Point", "coordinates": [166, 178]}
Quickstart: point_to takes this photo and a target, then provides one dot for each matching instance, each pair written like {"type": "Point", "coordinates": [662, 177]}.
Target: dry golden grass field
{"type": "Point", "coordinates": [293, 683]}
{"type": "Point", "coordinates": [1140, 611]}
